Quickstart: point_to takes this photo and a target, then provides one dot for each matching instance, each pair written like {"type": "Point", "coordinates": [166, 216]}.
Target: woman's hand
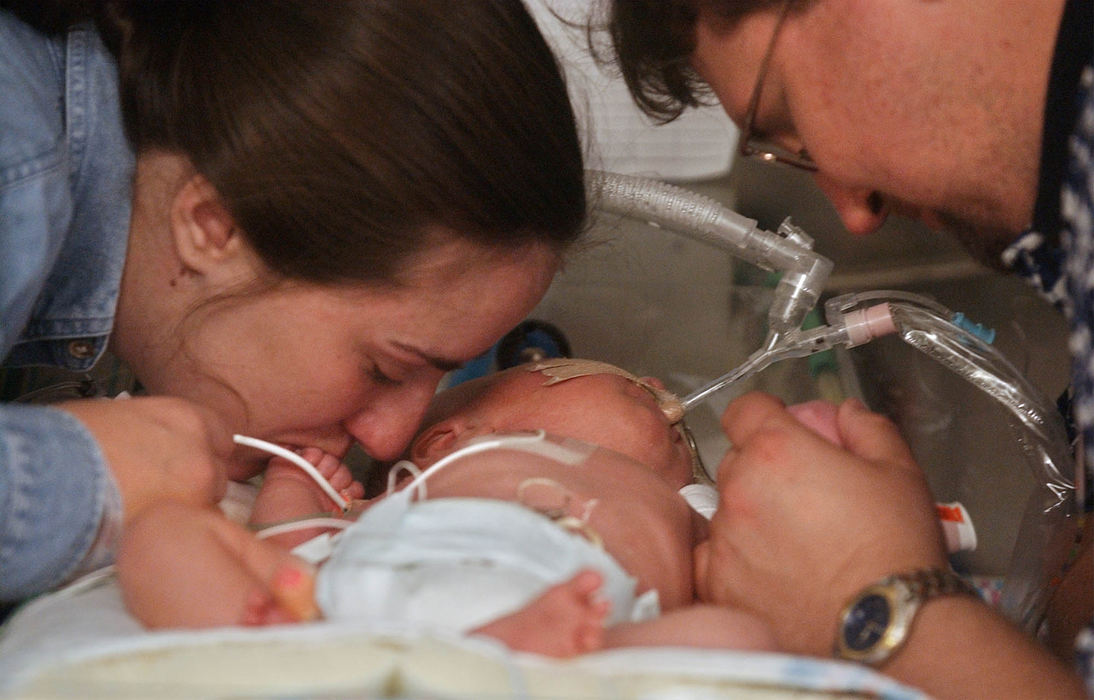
{"type": "Point", "coordinates": [159, 448]}
{"type": "Point", "coordinates": [803, 524]}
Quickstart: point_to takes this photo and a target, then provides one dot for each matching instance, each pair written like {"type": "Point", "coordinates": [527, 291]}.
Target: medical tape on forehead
{"type": "Point", "coordinates": [563, 368]}
{"type": "Point", "coordinates": [565, 450]}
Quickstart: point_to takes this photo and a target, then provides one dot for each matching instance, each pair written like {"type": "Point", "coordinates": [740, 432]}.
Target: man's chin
{"type": "Point", "coordinates": [984, 243]}
{"type": "Point", "coordinates": [983, 239]}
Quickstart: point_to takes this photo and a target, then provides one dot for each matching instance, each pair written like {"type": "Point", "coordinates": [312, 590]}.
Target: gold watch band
{"type": "Point", "coordinates": [876, 622]}
{"type": "Point", "coordinates": [929, 583]}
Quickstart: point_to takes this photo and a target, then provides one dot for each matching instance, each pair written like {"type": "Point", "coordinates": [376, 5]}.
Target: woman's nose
{"type": "Point", "coordinates": [389, 422]}
{"type": "Point", "coordinates": [862, 211]}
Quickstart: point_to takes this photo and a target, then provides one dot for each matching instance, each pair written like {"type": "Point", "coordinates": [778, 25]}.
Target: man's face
{"type": "Point", "coordinates": [890, 98]}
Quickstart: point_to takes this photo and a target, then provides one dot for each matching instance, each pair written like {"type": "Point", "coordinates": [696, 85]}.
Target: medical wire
{"type": "Point", "coordinates": [299, 461]}
{"type": "Point", "coordinates": [476, 445]}
{"type": "Point", "coordinates": [417, 483]}
{"type": "Point", "coordinates": [302, 524]}
{"type": "Point", "coordinates": [398, 468]}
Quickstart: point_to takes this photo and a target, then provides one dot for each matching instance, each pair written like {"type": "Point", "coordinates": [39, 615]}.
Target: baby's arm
{"type": "Point", "coordinates": [289, 493]}
{"type": "Point", "coordinates": [698, 625]}
{"type": "Point", "coordinates": [183, 566]}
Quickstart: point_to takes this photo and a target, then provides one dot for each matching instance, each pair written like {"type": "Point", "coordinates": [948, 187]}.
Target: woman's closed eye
{"type": "Point", "coordinates": [381, 377]}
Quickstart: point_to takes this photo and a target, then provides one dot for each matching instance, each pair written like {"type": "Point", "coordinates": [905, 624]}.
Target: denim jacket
{"type": "Point", "coordinates": [66, 174]}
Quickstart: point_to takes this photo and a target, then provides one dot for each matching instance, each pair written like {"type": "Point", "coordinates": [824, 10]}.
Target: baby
{"type": "Point", "coordinates": [535, 539]}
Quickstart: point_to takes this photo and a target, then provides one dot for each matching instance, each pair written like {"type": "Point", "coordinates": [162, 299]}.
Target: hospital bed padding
{"type": "Point", "coordinates": [81, 643]}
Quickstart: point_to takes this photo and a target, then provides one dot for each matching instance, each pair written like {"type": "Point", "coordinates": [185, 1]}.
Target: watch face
{"type": "Point", "coordinates": [866, 622]}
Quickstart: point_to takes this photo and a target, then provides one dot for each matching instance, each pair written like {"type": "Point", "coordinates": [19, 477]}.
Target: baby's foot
{"type": "Point", "coordinates": [564, 621]}
{"type": "Point", "coordinates": [287, 481]}
{"type": "Point", "coordinates": [335, 472]}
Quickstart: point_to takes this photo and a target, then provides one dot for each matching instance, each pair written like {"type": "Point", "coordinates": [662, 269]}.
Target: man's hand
{"type": "Point", "coordinates": [803, 524]}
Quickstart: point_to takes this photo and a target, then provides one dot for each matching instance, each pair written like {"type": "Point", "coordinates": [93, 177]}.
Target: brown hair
{"type": "Point", "coordinates": [652, 42]}
{"type": "Point", "coordinates": [339, 132]}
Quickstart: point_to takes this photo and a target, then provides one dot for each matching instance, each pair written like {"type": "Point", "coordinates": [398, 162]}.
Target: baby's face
{"type": "Point", "coordinates": [600, 408]}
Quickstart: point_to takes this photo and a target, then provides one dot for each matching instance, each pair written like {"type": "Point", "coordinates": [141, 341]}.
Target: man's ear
{"type": "Point", "coordinates": [207, 239]}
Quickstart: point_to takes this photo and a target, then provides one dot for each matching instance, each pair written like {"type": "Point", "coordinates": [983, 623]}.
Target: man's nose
{"type": "Point", "coordinates": [862, 211]}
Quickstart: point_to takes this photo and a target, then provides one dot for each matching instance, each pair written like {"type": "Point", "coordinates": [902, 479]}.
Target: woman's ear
{"type": "Point", "coordinates": [207, 240]}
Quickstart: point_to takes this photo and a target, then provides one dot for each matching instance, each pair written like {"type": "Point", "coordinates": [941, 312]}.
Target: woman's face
{"type": "Point", "coordinates": [302, 365]}
{"type": "Point", "coordinates": [602, 409]}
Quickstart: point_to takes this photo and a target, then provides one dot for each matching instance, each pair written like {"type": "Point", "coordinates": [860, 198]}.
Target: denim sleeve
{"type": "Point", "coordinates": [51, 518]}
{"type": "Point", "coordinates": [35, 198]}
{"type": "Point", "coordinates": [59, 504]}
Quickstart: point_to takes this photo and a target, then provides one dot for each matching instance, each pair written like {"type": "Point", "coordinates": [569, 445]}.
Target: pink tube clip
{"type": "Point", "coordinates": [863, 325]}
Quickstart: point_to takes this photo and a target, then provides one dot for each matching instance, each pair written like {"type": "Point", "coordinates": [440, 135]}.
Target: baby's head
{"type": "Point", "coordinates": [590, 401]}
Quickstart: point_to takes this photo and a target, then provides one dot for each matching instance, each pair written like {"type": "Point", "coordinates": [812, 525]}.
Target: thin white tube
{"type": "Point", "coordinates": [307, 523]}
{"type": "Point", "coordinates": [296, 459]}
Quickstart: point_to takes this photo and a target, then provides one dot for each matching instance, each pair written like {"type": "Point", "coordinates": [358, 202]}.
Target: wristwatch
{"type": "Point", "coordinates": [875, 623]}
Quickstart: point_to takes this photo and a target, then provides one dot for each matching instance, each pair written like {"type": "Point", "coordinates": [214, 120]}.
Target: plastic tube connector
{"type": "Point", "coordinates": [957, 527]}
{"type": "Point", "coordinates": [978, 329]}
{"type": "Point", "coordinates": [863, 325]}
{"type": "Point", "coordinates": [702, 498]}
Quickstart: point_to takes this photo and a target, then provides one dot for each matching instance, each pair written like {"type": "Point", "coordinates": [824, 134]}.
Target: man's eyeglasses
{"type": "Point", "coordinates": [752, 146]}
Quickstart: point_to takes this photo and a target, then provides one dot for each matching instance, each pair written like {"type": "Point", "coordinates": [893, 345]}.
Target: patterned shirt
{"type": "Point", "coordinates": [1057, 253]}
